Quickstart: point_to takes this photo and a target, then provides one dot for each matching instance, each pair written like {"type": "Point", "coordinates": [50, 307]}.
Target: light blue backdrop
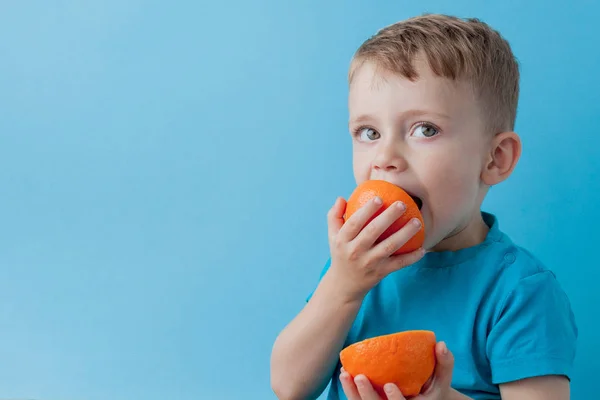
{"type": "Point", "coordinates": [166, 168]}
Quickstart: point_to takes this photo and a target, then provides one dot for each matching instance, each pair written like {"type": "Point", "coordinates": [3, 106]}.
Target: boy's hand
{"type": "Point", "coordinates": [357, 262]}
{"type": "Point", "coordinates": [437, 388]}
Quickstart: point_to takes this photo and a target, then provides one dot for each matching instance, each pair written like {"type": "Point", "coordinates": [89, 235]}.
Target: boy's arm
{"type": "Point", "coordinates": [551, 387]}
{"type": "Point", "coordinates": [306, 352]}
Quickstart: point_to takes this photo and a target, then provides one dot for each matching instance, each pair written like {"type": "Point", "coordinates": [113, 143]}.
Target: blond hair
{"type": "Point", "coordinates": [458, 49]}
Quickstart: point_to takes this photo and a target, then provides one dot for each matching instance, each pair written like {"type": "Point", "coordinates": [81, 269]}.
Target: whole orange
{"type": "Point", "coordinates": [388, 193]}
{"type": "Point", "coordinates": [406, 359]}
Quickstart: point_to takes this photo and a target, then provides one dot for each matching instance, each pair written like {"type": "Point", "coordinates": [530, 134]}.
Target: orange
{"type": "Point", "coordinates": [406, 359]}
{"type": "Point", "coordinates": [388, 193]}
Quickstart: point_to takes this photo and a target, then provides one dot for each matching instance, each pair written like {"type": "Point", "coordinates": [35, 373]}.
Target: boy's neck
{"type": "Point", "coordinates": [471, 234]}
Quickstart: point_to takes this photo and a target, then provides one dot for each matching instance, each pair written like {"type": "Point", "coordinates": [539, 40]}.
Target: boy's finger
{"type": "Point", "coordinates": [369, 235]}
{"type": "Point", "coordinates": [392, 392]}
{"type": "Point", "coordinates": [397, 262]}
{"type": "Point", "coordinates": [444, 365]}
{"type": "Point", "coordinates": [359, 219]}
{"type": "Point", "coordinates": [365, 389]}
{"type": "Point", "coordinates": [335, 217]}
{"type": "Point", "coordinates": [427, 387]}
{"type": "Point", "coordinates": [398, 239]}
{"type": "Point", "coordinates": [349, 386]}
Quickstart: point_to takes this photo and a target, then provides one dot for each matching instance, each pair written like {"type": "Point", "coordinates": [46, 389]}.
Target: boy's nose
{"type": "Point", "coordinates": [389, 159]}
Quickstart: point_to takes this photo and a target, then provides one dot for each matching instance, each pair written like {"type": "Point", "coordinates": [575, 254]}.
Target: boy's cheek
{"type": "Point", "coordinates": [436, 218]}
{"type": "Point", "coordinates": [362, 171]}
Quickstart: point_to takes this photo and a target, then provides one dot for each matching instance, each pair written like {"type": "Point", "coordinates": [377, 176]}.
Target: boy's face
{"type": "Point", "coordinates": [427, 137]}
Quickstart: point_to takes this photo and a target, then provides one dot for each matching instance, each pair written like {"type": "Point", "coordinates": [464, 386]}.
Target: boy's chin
{"type": "Point", "coordinates": [429, 244]}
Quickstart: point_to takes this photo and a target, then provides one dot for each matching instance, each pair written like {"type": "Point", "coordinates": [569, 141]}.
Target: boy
{"type": "Point", "coordinates": [432, 105]}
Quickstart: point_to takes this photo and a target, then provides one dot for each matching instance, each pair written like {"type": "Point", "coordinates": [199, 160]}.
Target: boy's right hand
{"type": "Point", "coordinates": [357, 261]}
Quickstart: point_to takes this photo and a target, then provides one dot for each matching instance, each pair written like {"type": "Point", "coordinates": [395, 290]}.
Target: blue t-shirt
{"type": "Point", "coordinates": [501, 313]}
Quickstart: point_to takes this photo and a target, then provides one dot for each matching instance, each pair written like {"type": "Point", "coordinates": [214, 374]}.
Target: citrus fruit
{"type": "Point", "coordinates": [389, 194]}
{"type": "Point", "coordinates": [406, 359]}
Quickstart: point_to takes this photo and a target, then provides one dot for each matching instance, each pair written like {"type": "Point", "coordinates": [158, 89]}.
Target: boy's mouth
{"type": "Point", "coordinates": [417, 200]}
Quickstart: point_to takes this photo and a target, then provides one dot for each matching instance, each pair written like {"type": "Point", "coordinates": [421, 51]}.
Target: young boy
{"type": "Point", "coordinates": [432, 106]}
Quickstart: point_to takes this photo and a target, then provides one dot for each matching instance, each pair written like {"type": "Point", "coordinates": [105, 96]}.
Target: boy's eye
{"type": "Point", "coordinates": [368, 134]}
{"type": "Point", "coordinates": [425, 130]}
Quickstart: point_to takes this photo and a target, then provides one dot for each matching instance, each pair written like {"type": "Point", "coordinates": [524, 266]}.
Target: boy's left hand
{"type": "Point", "coordinates": [437, 388]}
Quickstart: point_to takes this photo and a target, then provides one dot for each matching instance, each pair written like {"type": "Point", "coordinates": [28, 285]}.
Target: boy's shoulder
{"type": "Point", "coordinates": [531, 325]}
{"type": "Point", "coordinates": [496, 275]}
{"type": "Point", "coordinates": [506, 261]}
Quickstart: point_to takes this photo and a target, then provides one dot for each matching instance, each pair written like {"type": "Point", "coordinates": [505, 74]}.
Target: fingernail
{"type": "Point", "coordinates": [389, 388]}
{"type": "Point", "coordinates": [400, 205]}
{"type": "Point", "coordinates": [377, 200]}
{"type": "Point", "coordinates": [416, 222]}
{"type": "Point", "coordinates": [359, 381]}
{"type": "Point", "coordinates": [444, 348]}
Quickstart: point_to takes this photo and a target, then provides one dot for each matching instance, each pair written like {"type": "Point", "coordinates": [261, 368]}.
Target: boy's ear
{"type": "Point", "coordinates": [505, 151]}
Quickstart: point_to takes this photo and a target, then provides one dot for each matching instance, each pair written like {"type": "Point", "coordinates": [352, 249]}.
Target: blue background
{"type": "Point", "coordinates": [166, 168]}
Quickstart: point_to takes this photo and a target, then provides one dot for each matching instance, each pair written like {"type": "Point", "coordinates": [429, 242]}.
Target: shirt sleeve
{"type": "Point", "coordinates": [535, 333]}
{"type": "Point", "coordinates": [323, 271]}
